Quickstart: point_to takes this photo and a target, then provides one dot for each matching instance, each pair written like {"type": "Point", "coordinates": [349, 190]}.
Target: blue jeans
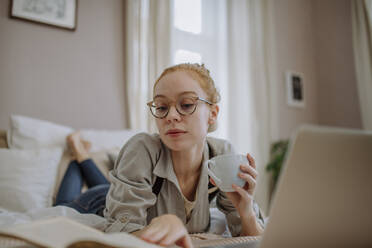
{"type": "Point", "coordinates": [93, 200]}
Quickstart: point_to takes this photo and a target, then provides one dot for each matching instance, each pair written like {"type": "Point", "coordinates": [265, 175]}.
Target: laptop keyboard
{"type": "Point", "coordinates": [245, 245]}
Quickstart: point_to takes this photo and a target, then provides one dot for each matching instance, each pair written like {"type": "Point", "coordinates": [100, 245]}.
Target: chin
{"type": "Point", "coordinates": [174, 144]}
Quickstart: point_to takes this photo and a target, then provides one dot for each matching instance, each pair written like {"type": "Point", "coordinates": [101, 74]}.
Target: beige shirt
{"type": "Point", "coordinates": [189, 206]}
{"type": "Point", "coordinates": [130, 202]}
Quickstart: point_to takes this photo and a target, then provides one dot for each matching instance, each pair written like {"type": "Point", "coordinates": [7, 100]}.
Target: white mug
{"type": "Point", "coordinates": [224, 169]}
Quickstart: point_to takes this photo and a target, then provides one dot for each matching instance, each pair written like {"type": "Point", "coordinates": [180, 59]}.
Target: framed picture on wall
{"type": "Point", "coordinates": [58, 13]}
{"type": "Point", "coordinates": [295, 89]}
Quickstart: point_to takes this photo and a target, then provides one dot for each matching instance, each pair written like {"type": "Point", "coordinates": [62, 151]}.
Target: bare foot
{"type": "Point", "coordinates": [78, 147]}
{"type": "Point", "coordinates": [87, 144]}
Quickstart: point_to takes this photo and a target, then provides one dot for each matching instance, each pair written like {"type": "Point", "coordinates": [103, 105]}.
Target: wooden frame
{"type": "Point", "coordinates": [56, 13]}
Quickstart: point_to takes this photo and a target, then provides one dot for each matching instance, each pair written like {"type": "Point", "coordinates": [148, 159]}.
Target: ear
{"type": "Point", "coordinates": [213, 114]}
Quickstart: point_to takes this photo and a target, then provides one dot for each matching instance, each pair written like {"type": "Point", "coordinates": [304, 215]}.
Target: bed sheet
{"type": "Point", "coordinates": [8, 218]}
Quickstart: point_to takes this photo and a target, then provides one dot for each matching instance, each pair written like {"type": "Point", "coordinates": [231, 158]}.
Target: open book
{"type": "Point", "coordinates": [61, 232]}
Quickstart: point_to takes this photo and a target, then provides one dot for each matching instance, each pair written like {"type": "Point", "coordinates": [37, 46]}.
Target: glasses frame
{"type": "Point", "coordinates": [196, 98]}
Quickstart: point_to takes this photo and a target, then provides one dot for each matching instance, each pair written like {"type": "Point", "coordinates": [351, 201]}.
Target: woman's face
{"type": "Point", "coordinates": [182, 132]}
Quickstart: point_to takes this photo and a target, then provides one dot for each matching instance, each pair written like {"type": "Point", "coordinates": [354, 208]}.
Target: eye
{"type": "Point", "coordinates": [186, 106]}
{"type": "Point", "coordinates": [161, 108]}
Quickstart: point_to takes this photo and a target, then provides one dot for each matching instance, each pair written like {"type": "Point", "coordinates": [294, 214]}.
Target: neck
{"type": "Point", "coordinates": [188, 163]}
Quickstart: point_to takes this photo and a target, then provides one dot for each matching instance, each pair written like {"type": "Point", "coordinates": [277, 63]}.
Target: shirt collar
{"type": "Point", "coordinates": [164, 167]}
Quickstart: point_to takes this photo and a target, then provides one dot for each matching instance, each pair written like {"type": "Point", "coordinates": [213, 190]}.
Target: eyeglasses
{"type": "Point", "coordinates": [185, 105]}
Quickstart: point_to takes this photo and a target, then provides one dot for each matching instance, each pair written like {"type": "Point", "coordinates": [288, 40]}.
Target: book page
{"type": "Point", "coordinates": [116, 240]}
{"type": "Point", "coordinates": [61, 232]}
{"type": "Point", "coordinates": [6, 242]}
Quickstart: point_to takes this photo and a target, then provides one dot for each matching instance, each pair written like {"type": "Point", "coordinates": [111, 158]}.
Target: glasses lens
{"type": "Point", "coordinates": [160, 108]}
{"type": "Point", "coordinates": [186, 105]}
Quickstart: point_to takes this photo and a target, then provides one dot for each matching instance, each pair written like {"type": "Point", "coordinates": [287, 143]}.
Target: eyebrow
{"type": "Point", "coordinates": [182, 93]}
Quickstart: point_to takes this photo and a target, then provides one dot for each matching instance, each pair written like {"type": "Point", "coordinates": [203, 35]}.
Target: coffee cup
{"type": "Point", "coordinates": [224, 169]}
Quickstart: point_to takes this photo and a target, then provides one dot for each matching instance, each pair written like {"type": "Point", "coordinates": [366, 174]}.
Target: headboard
{"type": "Point", "coordinates": [3, 143]}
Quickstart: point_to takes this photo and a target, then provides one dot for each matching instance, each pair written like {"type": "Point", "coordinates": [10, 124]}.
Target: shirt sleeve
{"type": "Point", "coordinates": [232, 215]}
{"type": "Point", "coordinates": [130, 193]}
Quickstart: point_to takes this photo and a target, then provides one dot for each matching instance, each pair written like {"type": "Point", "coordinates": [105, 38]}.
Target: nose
{"type": "Point", "coordinates": [173, 114]}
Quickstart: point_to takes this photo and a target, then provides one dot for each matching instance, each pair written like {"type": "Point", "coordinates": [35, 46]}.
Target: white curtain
{"type": "Point", "coordinates": [249, 106]}
{"type": "Point", "coordinates": [147, 53]}
{"type": "Point", "coordinates": [362, 43]}
{"type": "Point", "coordinates": [238, 57]}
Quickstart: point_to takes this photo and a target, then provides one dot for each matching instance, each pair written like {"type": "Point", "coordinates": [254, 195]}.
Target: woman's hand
{"type": "Point", "coordinates": [242, 198]}
{"type": "Point", "coordinates": [166, 230]}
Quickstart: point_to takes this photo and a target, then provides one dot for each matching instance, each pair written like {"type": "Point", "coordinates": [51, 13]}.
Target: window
{"type": "Point", "coordinates": [187, 15]}
{"type": "Point", "coordinates": [187, 28]}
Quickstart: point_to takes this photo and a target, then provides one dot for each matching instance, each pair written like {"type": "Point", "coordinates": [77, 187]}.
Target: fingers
{"type": "Point", "coordinates": [166, 230]}
{"type": "Point", "coordinates": [250, 170]}
{"type": "Point", "coordinates": [249, 174]}
{"type": "Point", "coordinates": [154, 234]}
{"type": "Point", "coordinates": [251, 160]}
{"type": "Point", "coordinates": [185, 242]}
{"type": "Point", "coordinates": [212, 181]}
{"type": "Point", "coordinates": [248, 178]}
{"type": "Point", "coordinates": [180, 237]}
{"type": "Point", "coordinates": [244, 194]}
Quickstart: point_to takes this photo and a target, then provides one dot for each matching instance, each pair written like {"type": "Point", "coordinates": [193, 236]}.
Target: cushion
{"type": "Point", "coordinates": [26, 133]}
{"type": "Point", "coordinates": [107, 139]}
{"type": "Point", "coordinates": [27, 178]}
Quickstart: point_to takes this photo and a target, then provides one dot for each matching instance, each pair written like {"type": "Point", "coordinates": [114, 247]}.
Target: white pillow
{"type": "Point", "coordinates": [107, 139]}
{"type": "Point", "coordinates": [27, 178]}
{"type": "Point", "coordinates": [26, 133]}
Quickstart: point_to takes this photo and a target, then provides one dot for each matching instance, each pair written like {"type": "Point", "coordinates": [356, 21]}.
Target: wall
{"type": "Point", "coordinates": [73, 78]}
{"type": "Point", "coordinates": [337, 92]}
{"type": "Point", "coordinates": [295, 51]}
{"type": "Point", "coordinates": [314, 38]}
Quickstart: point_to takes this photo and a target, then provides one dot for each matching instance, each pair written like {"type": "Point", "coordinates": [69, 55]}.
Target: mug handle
{"type": "Point", "coordinates": [213, 176]}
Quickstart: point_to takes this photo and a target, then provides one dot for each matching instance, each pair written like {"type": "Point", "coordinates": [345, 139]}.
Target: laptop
{"type": "Point", "coordinates": [324, 194]}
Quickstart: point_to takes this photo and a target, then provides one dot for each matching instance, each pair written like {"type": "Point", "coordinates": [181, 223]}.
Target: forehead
{"type": "Point", "coordinates": [176, 83]}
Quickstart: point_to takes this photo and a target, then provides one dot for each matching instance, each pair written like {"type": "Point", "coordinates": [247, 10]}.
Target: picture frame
{"type": "Point", "coordinates": [56, 13]}
{"type": "Point", "coordinates": [295, 89]}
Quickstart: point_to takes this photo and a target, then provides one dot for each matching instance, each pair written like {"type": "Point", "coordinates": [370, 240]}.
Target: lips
{"type": "Point", "coordinates": [175, 132]}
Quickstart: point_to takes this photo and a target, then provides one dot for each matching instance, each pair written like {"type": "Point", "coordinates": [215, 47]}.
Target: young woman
{"type": "Point", "coordinates": [185, 109]}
